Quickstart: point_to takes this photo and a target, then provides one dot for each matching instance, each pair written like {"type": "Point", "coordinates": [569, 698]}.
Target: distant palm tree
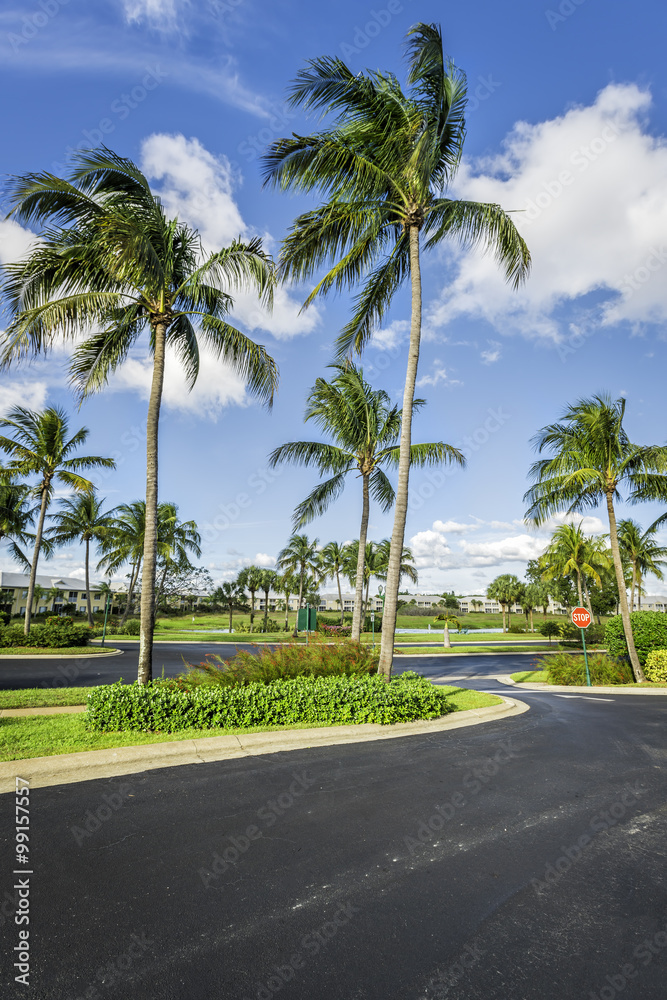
{"type": "Point", "coordinates": [299, 558]}
{"type": "Point", "coordinates": [505, 589]}
{"type": "Point", "coordinates": [269, 581]}
{"type": "Point", "coordinates": [447, 619]}
{"type": "Point", "coordinates": [250, 579]}
{"type": "Point", "coordinates": [570, 553]}
{"type": "Point", "coordinates": [365, 430]}
{"type": "Point", "coordinates": [476, 605]}
{"type": "Point", "coordinates": [176, 540]}
{"type": "Point", "coordinates": [384, 166]}
{"type": "Point", "coordinates": [230, 596]}
{"type": "Point", "coordinates": [109, 261]}
{"type": "Point", "coordinates": [591, 458]}
{"type": "Point", "coordinates": [532, 597]}
{"type": "Point", "coordinates": [124, 543]}
{"type": "Point", "coordinates": [287, 584]}
{"type": "Point", "coordinates": [643, 554]}
{"type": "Point", "coordinates": [82, 519]}
{"type": "Point", "coordinates": [407, 567]}
{"type": "Point", "coordinates": [332, 558]}
{"type": "Point", "coordinates": [41, 447]}
{"type": "Point", "coordinates": [17, 514]}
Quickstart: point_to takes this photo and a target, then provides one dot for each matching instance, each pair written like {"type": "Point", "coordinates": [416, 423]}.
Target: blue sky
{"type": "Point", "coordinates": [567, 121]}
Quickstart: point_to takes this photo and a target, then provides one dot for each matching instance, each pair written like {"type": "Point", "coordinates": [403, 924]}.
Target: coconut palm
{"type": "Point", "coordinates": [476, 604]}
{"type": "Point", "coordinates": [123, 544]}
{"type": "Point", "coordinates": [643, 553]}
{"type": "Point", "coordinates": [250, 579]}
{"type": "Point", "coordinates": [176, 539]}
{"type": "Point", "coordinates": [230, 596]}
{"type": "Point", "coordinates": [447, 619]}
{"type": "Point", "coordinates": [532, 598]}
{"type": "Point", "coordinates": [505, 589]}
{"type": "Point", "coordinates": [591, 459]}
{"type": "Point", "coordinates": [269, 581]}
{"type": "Point", "coordinates": [407, 567]}
{"type": "Point", "coordinates": [384, 166]}
{"type": "Point", "coordinates": [17, 514]}
{"type": "Point", "coordinates": [110, 261]}
{"type": "Point", "coordinates": [40, 447]}
{"type": "Point", "coordinates": [570, 553]}
{"type": "Point", "coordinates": [287, 584]}
{"type": "Point", "coordinates": [365, 430]}
{"type": "Point", "coordinates": [299, 558]}
{"type": "Point", "coordinates": [332, 559]}
{"type": "Point", "coordinates": [81, 519]}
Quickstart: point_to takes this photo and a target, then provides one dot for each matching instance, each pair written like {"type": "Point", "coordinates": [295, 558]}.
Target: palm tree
{"type": "Point", "coordinates": [250, 579]}
{"type": "Point", "coordinates": [287, 584]}
{"type": "Point", "coordinates": [81, 519]}
{"type": "Point", "coordinates": [269, 581]}
{"type": "Point", "coordinates": [110, 261]}
{"type": "Point", "coordinates": [384, 167]}
{"type": "Point", "coordinates": [591, 458]}
{"type": "Point", "coordinates": [298, 558]}
{"type": "Point", "coordinates": [407, 567]}
{"type": "Point", "coordinates": [571, 554]}
{"type": "Point", "coordinates": [124, 543]}
{"type": "Point", "coordinates": [39, 593]}
{"type": "Point", "coordinates": [505, 589]}
{"type": "Point", "coordinates": [175, 541]}
{"type": "Point", "coordinates": [532, 598]}
{"type": "Point", "coordinates": [332, 558]}
{"type": "Point", "coordinates": [16, 516]}
{"type": "Point", "coordinates": [476, 605]}
{"type": "Point", "coordinates": [365, 429]}
{"type": "Point", "coordinates": [447, 618]}
{"type": "Point", "coordinates": [41, 447]}
{"type": "Point", "coordinates": [231, 596]}
{"type": "Point", "coordinates": [643, 554]}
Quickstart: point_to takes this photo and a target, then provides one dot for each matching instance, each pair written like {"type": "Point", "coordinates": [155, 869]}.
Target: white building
{"type": "Point", "coordinates": [14, 591]}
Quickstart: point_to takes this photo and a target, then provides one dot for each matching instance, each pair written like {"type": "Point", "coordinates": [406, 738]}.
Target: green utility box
{"type": "Point", "coordinates": [306, 620]}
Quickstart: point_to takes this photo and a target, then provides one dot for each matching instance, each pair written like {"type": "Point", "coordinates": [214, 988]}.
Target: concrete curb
{"type": "Point", "coordinates": [64, 769]}
{"type": "Point", "coordinates": [569, 688]}
{"type": "Point", "coordinates": [20, 713]}
{"type": "Point", "coordinates": [62, 656]}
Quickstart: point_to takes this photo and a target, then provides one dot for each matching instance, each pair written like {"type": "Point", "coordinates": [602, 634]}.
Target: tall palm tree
{"type": "Point", "coordinates": [287, 584]}
{"type": "Point", "coordinates": [299, 558]}
{"type": "Point", "coordinates": [82, 519]}
{"type": "Point", "coordinates": [407, 567]}
{"type": "Point", "coordinates": [250, 579]}
{"type": "Point", "coordinates": [642, 552]}
{"type": "Point", "coordinates": [332, 558]}
{"type": "Point", "coordinates": [570, 553]}
{"type": "Point", "coordinates": [111, 261]}
{"type": "Point", "coordinates": [592, 457]}
{"type": "Point", "coordinates": [269, 581]}
{"type": "Point", "coordinates": [123, 544]}
{"type": "Point", "coordinates": [505, 589]}
{"type": "Point", "coordinates": [40, 447]}
{"type": "Point", "coordinates": [231, 596]}
{"type": "Point", "coordinates": [365, 430]}
{"type": "Point", "coordinates": [384, 166]}
{"type": "Point", "coordinates": [17, 514]}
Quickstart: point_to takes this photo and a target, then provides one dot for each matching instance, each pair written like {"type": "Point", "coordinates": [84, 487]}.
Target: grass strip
{"type": "Point", "coordinates": [47, 651]}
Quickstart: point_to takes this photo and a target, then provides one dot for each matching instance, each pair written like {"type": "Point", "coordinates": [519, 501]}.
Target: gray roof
{"type": "Point", "coordinates": [62, 582]}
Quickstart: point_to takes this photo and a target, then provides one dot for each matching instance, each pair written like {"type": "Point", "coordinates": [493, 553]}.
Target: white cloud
{"type": "Point", "coordinates": [391, 337]}
{"type": "Point", "coordinates": [492, 354]}
{"type": "Point", "coordinates": [515, 548]}
{"type": "Point", "coordinates": [158, 13]}
{"type": "Point", "coordinates": [32, 395]}
{"type": "Point", "coordinates": [590, 524]}
{"type": "Point", "coordinates": [430, 549]}
{"type": "Point", "coordinates": [264, 560]}
{"type": "Point", "coordinates": [198, 187]}
{"type": "Point", "coordinates": [589, 189]}
{"type": "Point", "coordinates": [438, 374]}
{"type": "Point", "coordinates": [453, 527]}
{"type": "Point", "coordinates": [14, 240]}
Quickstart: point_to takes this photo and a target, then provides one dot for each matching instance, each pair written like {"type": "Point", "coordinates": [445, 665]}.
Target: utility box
{"type": "Point", "coordinates": [306, 620]}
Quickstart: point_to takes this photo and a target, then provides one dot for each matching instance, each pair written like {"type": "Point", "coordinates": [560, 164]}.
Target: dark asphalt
{"type": "Point", "coordinates": [519, 860]}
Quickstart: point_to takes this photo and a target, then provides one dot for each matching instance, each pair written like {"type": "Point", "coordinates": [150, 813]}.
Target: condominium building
{"type": "Point", "coordinates": [53, 593]}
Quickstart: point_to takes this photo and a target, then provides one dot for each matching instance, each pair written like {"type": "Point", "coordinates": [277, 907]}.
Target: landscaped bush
{"type": "Point", "coordinates": [649, 629]}
{"type": "Point", "coordinates": [368, 625]}
{"type": "Point", "coordinates": [265, 665]}
{"type": "Point", "coordinates": [271, 626]}
{"type": "Point", "coordinates": [330, 700]}
{"type": "Point", "coordinates": [571, 635]}
{"type": "Point", "coordinates": [569, 668]}
{"type": "Point", "coordinates": [335, 631]}
{"type": "Point", "coordinates": [516, 629]}
{"type": "Point", "coordinates": [55, 633]}
{"type": "Point", "coordinates": [656, 665]}
{"type": "Point", "coordinates": [131, 627]}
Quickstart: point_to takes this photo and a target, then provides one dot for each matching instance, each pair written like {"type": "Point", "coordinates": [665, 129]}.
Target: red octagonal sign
{"type": "Point", "coordinates": [581, 617]}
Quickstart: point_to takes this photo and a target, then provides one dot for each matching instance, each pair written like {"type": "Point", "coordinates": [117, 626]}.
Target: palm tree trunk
{"type": "Point", "coordinates": [130, 592]}
{"type": "Point", "coordinates": [340, 596]}
{"type": "Point", "coordinates": [504, 613]}
{"type": "Point", "coordinates": [581, 596]}
{"type": "Point", "coordinates": [446, 641]}
{"type": "Point", "coordinates": [639, 591]}
{"type": "Point", "coordinates": [401, 503]}
{"type": "Point", "coordinates": [632, 588]}
{"type": "Point", "coordinates": [252, 607]}
{"type": "Point", "coordinates": [287, 597]}
{"type": "Point", "coordinates": [35, 557]}
{"type": "Point", "coordinates": [266, 610]}
{"type": "Point", "coordinates": [361, 558]}
{"type": "Point", "coordinates": [532, 626]}
{"type": "Point", "coordinates": [88, 604]}
{"type": "Point", "coordinates": [509, 615]}
{"type": "Point", "coordinates": [145, 672]}
{"type": "Point", "coordinates": [231, 618]}
{"type": "Point", "coordinates": [622, 595]}
{"type": "Point", "coordinates": [587, 598]}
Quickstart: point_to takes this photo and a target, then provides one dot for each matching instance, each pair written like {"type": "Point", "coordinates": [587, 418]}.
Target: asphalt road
{"type": "Point", "coordinates": [519, 860]}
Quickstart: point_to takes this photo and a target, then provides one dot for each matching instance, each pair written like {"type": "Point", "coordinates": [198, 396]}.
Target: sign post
{"type": "Point", "coordinates": [581, 617]}
{"type": "Point", "coordinates": [373, 626]}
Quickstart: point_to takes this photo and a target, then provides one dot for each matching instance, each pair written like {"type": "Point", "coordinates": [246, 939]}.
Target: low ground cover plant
{"type": "Point", "coordinates": [55, 633]}
{"type": "Point", "coordinates": [649, 629]}
{"type": "Point", "coordinates": [264, 665]}
{"type": "Point", "coordinates": [569, 668]}
{"type": "Point", "coordinates": [334, 700]}
{"type": "Point", "coordinates": [656, 665]}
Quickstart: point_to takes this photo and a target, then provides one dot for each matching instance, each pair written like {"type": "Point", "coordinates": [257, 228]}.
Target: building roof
{"type": "Point", "coordinates": [62, 582]}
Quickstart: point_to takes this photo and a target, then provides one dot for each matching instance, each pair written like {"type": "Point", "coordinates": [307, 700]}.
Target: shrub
{"type": "Point", "coordinates": [271, 626]}
{"type": "Point", "coordinates": [55, 633]}
{"type": "Point", "coordinates": [569, 668]}
{"type": "Point", "coordinates": [656, 665]}
{"type": "Point", "coordinates": [649, 629]}
{"type": "Point", "coordinates": [335, 631]}
{"type": "Point", "coordinates": [331, 700]}
{"type": "Point", "coordinates": [516, 630]}
{"type": "Point", "coordinates": [368, 625]}
{"type": "Point", "coordinates": [549, 629]}
{"type": "Point", "coordinates": [131, 627]}
{"type": "Point", "coordinates": [571, 635]}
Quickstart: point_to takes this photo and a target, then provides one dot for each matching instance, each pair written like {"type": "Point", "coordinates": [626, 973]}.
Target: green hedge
{"type": "Point", "coordinates": [569, 668]}
{"type": "Point", "coordinates": [55, 633]}
{"type": "Point", "coordinates": [649, 629]}
{"type": "Point", "coordinates": [332, 700]}
{"type": "Point", "coordinates": [656, 665]}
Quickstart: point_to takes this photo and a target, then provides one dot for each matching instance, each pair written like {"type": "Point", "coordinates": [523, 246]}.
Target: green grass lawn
{"type": "Point", "coordinates": [46, 651]}
{"type": "Point", "coordinates": [46, 736]}
{"type": "Point", "coordinates": [44, 697]}
{"type": "Point", "coordinates": [531, 677]}
{"type": "Point", "coordinates": [431, 650]}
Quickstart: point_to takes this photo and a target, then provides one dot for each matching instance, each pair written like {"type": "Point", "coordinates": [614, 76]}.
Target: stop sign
{"type": "Point", "coordinates": [581, 617]}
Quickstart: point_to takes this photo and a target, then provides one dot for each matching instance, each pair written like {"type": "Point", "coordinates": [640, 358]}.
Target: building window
{"type": "Point", "coordinates": [73, 594]}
